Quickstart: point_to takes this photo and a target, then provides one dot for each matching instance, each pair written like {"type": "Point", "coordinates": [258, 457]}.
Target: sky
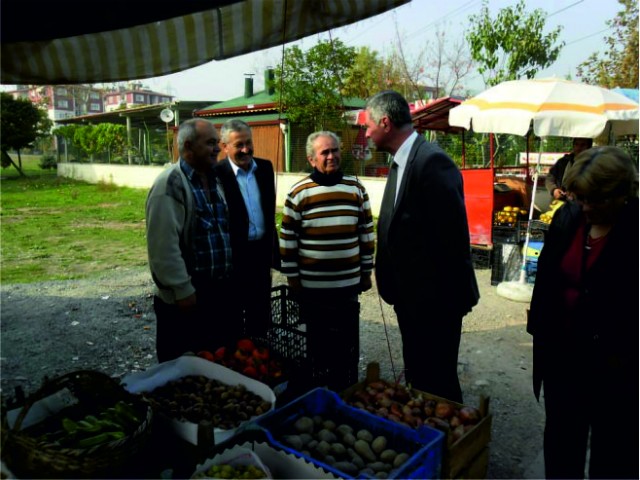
{"type": "Point", "coordinates": [583, 22]}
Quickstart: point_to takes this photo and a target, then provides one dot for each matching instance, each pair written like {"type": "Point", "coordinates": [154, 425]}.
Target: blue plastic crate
{"type": "Point", "coordinates": [424, 445]}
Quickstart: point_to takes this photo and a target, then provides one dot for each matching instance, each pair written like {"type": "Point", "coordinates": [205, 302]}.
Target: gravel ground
{"type": "Point", "coordinates": [107, 323]}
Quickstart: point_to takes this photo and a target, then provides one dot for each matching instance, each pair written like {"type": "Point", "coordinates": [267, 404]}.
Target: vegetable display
{"type": "Point", "coordinates": [250, 360]}
{"type": "Point", "coordinates": [411, 408]}
{"type": "Point", "coordinates": [110, 424]}
{"type": "Point", "coordinates": [195, 398]}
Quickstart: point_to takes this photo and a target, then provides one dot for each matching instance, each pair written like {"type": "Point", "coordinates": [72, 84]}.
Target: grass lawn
{"type": "Point", "coordinates": [55, 228]}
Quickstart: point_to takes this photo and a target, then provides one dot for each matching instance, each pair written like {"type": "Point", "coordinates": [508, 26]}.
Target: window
{"type": "Point", "coordinates": [94, 107]}
{"type": "Point", "coordinates": [62, 103]}
{"type": "Point", "coordinates": [61, 91]}
{"type": "Point", "coordinates": [94, 96]}
{"type": "Point", "coordinates": [139, 98]}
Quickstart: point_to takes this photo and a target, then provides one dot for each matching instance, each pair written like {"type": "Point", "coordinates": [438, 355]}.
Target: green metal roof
{"type": "Point", "coordinates": [261, 98]}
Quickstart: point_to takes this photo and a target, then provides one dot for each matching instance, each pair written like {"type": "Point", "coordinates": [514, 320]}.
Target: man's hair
{"type": "Point", "coordinates": [187, 132]}
{"type": "Point", "coordinates": [391, 104]}
{"type": "Point", "coordinates": [588, 140]}
{"type": "Point", "coordinates": [233, 125]}
{"type": "Point", "coordinates": [312, 138]}
{"type": "Point", "coordinates": [604, 172]}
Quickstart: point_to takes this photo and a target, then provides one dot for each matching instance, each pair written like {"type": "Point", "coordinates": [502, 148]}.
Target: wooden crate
{"type": "Point", "coordinates": [469, 455]}
{"type": "Point", "coordinates": [477, 468]}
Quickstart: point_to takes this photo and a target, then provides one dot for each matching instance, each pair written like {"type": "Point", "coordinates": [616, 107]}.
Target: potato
{"type": "Point", "coordinates": [388, 456]}
{"type": "Point", "coordinates": [379, 444]}
{"type": "Point", "coordinates": [304, 425]}
{"type": "Point", "coordinates": [364, 435]}
{"type": "Point", "coordinates": [363, 449]}
{"type": "Point", "coordinates": [400, 459]}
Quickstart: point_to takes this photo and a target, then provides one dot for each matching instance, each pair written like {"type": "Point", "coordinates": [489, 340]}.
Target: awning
{"type": "Point", "coordinates": [126, 40]}
{"type": "Point", "coordinates": [431, 115]}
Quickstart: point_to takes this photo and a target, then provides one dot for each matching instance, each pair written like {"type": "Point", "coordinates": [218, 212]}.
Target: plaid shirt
{"type": "Point", "coordinates": [211, 240]}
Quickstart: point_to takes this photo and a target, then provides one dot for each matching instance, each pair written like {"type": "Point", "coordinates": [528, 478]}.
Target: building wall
{"type": "Point", "coordinates": [143, 176]}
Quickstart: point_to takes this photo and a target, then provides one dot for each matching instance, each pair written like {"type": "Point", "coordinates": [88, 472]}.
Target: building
{"type": "Point", "coordinates": [133, 95]}
{"type": "Point", "coordinates": [62, 101]}
{"type": "Point", "coordinates": [275, 138]}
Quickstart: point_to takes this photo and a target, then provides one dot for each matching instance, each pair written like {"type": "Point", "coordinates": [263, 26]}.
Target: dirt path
{"type": "Point", "coordinates": [107, 323]}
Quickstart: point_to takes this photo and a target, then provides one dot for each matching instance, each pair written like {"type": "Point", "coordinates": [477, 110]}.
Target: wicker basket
{"type": "Point", "coordinates": [26, 456]}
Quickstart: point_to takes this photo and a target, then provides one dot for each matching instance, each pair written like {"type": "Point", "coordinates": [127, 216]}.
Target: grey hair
{"type": "Point", "coordinates": [233, 125]}
{"type": "Point", "coordinates": [187, 132]}
{"type": "Point", "coordinates": [391, 104]}
{"type": "Point", "coordinates": [312, 138]}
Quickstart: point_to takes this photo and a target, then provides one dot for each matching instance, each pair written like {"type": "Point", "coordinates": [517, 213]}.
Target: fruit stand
{"type": "Point", "coordinates": [497, 199]}
{"type": "Point", "coordinates": [193, 417]}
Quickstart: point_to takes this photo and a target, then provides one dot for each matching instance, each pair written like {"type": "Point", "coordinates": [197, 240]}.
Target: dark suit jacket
{"type": "Point", "coordinates": [606, 310]}
{"type": "Point", "coordinates": [238, 216]}
{"type": "Point", "coordinates": [423, 258]}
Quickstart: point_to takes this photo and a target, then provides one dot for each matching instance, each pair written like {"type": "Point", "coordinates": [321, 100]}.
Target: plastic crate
{"type": "Point", "coordinates": [481, 257]}
{"type": "Point", "coordinates": [424, 445]}
{"type": "Point", "coordinates": [505, 234]}
{"type": "Point", "coordinates": [286, 336]}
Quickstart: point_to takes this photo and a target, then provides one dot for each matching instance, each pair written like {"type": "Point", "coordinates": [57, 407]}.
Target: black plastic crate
{"type": "Point", "coordinates": [505, 234]}
{"type": "Point", "coordinates": [481, 257]}
{"type": "Point", "coordinates": [286, 336]}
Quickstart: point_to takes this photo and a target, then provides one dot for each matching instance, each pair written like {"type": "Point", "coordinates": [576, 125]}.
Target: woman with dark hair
{"type": "Point", "coordinates": [584, 321]}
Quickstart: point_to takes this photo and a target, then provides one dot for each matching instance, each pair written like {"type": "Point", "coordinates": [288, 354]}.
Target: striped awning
{"type": "Point", "coordinates": [154, 46]}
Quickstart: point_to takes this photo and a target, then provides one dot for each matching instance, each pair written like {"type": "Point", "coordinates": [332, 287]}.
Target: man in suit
{"type": "Point", "coordinates": [250, 193]}
{"type": "Point", "coordinates": [423, 258]}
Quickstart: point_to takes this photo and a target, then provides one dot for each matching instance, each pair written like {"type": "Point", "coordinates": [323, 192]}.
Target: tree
{"type": "Point", "coordinates": [21, 124]}
{"type": "Point", "coordinates": [512, 45]}
{"type": "Point", "coordinates": [312, 81]}
{"type": "Point", "coordinates": [67, 132]}
{"type": "Point", "coordinates": [619, 65]}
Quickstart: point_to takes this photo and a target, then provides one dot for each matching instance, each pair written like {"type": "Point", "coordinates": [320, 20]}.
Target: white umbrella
{"type": "Point", "coordinates": [554, 108]}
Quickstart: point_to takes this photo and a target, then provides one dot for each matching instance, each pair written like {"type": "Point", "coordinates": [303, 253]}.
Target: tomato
{"type": "Point", "coordinates": [220, 353]}
{"type": "Point", "coordinates": [250, 372]}
{"type": "Point", "coordinates": [261, 353]}
{"type": "Point", "coordinates": [239, 354]}
{"type": "Point", "coordinates": [246, 345]}
{"type": "Point", "coordinates": [207, 355]}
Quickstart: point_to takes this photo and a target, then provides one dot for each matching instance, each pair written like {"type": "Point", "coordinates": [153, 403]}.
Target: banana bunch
{"type": "Point", "coordinates": [553, 206]}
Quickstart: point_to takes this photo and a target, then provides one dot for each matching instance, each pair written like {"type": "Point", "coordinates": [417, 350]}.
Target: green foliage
{"type": "Point", "coordinates": [618, 67]}
{"type": "Point", "coordinates": [512, 45]}
{"type": "Point", "coordinates": [312, 96]}
{"type": "Point", "coordinates": [21, 122]}
{"type": "Point", "coordinates": [104, 137]}
{"type": "Point", "coordinates": [48, 162]}
{"type": "Point", "coordinates": [370, 74]}
{"type": "Point", "coordinates": [56, 228]}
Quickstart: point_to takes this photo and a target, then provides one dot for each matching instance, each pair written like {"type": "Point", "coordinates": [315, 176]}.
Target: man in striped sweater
{"type": "Point", "coordinates": [327, 246]}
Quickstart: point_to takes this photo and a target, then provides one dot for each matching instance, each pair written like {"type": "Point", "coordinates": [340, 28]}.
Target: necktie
{"type": "Point", "coordinates": [389, 197]}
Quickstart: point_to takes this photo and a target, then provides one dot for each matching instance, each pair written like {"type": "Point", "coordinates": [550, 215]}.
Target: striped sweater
{"type": "Point", "coordinates": [326, 237]}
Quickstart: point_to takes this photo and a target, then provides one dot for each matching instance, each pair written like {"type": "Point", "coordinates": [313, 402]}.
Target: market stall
{"type": "Point", "coordinates": [193, 417]}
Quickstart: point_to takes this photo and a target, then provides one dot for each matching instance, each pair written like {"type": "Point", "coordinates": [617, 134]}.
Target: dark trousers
{"type": "Point", "coordinates": [583, 404]}
{"type": "Point", "coordinates": [430, 344]}
{"type": "Point", "coordinates": [214, 322]}
{"type": "Point", "coordinates": [252, 286]}
{"type": "Point", "coordinates": [333, 340]}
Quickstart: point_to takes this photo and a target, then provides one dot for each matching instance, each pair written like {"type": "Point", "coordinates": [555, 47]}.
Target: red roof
{"type": "Point", "coordinates": [435, 115]}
